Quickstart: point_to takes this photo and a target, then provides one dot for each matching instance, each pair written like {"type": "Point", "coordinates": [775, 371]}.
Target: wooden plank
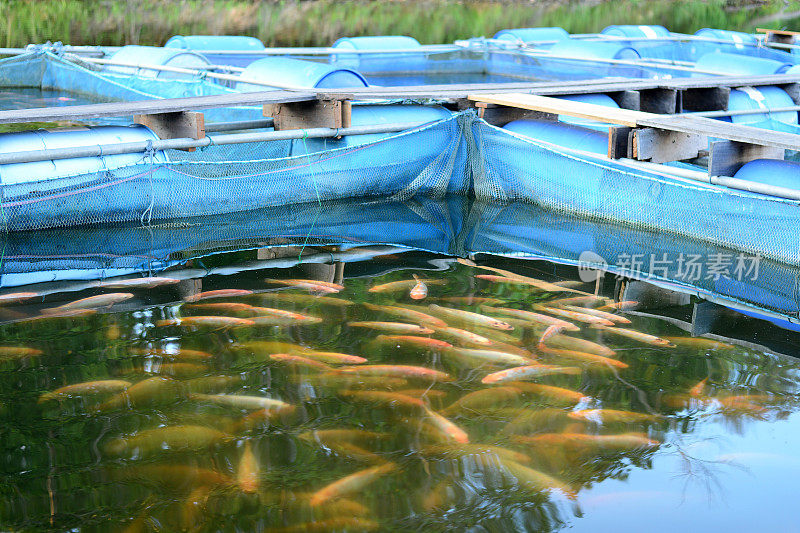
{"type": "Point", "coordinates": [304, 115]}
{"type": "Point", "coordinates": [609, 115]}
{"type": "Point", "coordinates": [178, 125]}
{"type": "Point", "coordinates": [149, 107]}
{"type": "Point", "coordinates": [661, 146]}
{"type": "Point", "coordinates": [618, 141]}
{"type": "Point", "coordinates": [726, 157]}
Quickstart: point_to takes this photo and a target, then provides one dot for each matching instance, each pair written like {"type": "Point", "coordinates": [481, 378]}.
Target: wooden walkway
{"type": "Point", "coordinates": [658, 96]}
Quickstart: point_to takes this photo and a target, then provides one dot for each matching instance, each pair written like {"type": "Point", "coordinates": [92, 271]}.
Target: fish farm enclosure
{"type": "Point", "coordinates": [535, 282]}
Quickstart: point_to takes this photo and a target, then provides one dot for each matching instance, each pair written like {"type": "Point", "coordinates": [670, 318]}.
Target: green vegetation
{"type": "Point", "coordinates": [320, 22]}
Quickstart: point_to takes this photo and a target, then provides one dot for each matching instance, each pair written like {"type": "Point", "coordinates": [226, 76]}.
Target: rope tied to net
{"type": "Point", "coordinates": [316, 191]}
{"type": "Point", "coordinates": [149, 153]}
{"type": "Point", "coordinates": [209, 145]}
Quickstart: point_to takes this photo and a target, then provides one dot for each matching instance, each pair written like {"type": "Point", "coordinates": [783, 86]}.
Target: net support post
{"type": "Point", "coordinates": [313, 114]}
{"type": "Point", "coordinates": [661, 146]}
{"type": "Point", "coordinates": [498, 115]}
{"type": "Point", "coordinates": [177, 125]}
{"type": "Point", "coordinates": [726, 157]}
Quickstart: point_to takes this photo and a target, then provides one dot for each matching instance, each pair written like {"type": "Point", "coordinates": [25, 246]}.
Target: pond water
{"type": "Point", "coordinates": [123, 411]}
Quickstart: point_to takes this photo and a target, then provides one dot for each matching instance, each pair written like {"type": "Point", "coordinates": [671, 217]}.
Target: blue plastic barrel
{"type": "Point", "coordinates": [25, 141]}
{"type": "Point", "coordinates": [596, 99]}
{"type": "Point", "coordinates": [594, 49]}
{"type": "Point", "coordinates": [153, 55]}
{"type": "Point", "coordinates": [771, 172]}
{"type": "Point", "coordinates": [561, 134]}
{"type": "Point", "coordinates": [737, 38]}
{"type": "Point", "coordinates": [530, 35]}
{"type": "Point", "coordinates": [284, 71]}
{"type": "Point", "coordinates": [230, 50]}
{"type": "Point", "coordinates": [765, 98]}
{"type": "Point", "coordinates": [744, 65]}
{"type": "Point", "coordinates": [636, 32]}
{"type": "Point", "coordinates": [406, 60]}
{"type": "Point", "coordinates": [228, 43]}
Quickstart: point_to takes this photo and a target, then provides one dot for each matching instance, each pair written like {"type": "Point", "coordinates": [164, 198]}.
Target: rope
{"type": "Point", "coordinates": [151, 153]}
{"type": "Point", "coordinates": [319, 201]}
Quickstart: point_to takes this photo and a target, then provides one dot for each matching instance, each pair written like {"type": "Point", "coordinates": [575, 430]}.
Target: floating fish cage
{"type": "Point", "coordinates": [692, 135]}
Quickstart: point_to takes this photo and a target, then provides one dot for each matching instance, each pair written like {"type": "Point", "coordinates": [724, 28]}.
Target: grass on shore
{"type": "Point", "coordinates": [320, 22]}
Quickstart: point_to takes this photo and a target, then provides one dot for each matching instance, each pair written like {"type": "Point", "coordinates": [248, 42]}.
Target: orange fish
{"type": "Point", "coordinates": [397, 371]}
{"type": "Point", "coordinates": [607, 416]}
{"type": "Point", "coordinates": [408, 314]}
{"type": "Point", "coordinates": [18, 352]}
{"type": "Point", "coordinates": [448, 428]}
{"type": "Point", "coordinates": [619, 306]}
{"type": "Point", "coordinates": [527, 372]}
{"type": "Point", "coordinates": [17, 297]}
{"type": "Point", "coordinates": [247, 474]}
{"type": "Point", "coordinates": [583, 357]}
{"type": "Point", "coordinates": [611, 317]}
{"type": "Point", "coordinates": [92, 302]}
{"type": "Point", "coordinates": [620, 442]}
{"type": "Point", "coordinates": [556, 393]}
{"type": "Point", "coordinates": [469, 300]}
{"type": "Point", "coordinates": [483, 398]}
{"type": "Point", "coordinates": [549, 332]}
{"type": "Point", "coordinates": [223, 307]}
{"type": "Point", "coordinates": [207, 321]}
{"type": "Point", "coordinates": [424, 343]}
{"type": "Point", "coordinates": [180, 353]}
{"type": "Point", "coordinates": [463, 335]}
{"type": "Point", "coordinates": [392, 400]}
{"type": "Point", "coordinates": [535, 318]}
{"type": "Point", "coordinates": [639, 336]}
{"type": "Point", "coordinates": [469, 316]}
{"type": "Point", "coordinates": [309, 284]}
{"type": "Point", "coordinates": [220, 293]}
{"type": "Point", "coordinates": [298, 360]}
{"type": "Point", "coordinates": [404, 284]}
{"type": "Point", "coordinates": [573, 315]}
{"type": "Point", "coordinates": [419, 291]}
{"type": "Point", "coordinates": [698, 389]}
{"type": "Point", "coordinates": [579, 345]}
{"type": "Point", "coordinates": [699, 342]}
{"type": "Point", "coordinates": [393, 327]}
{"type": "Point", "coordinates": [351, 484]}
{"type": "Point", "coordinates": [333, 357]}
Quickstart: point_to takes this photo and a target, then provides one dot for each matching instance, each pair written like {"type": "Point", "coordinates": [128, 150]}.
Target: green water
{"type": "Point", "coordinates": [92, 462]}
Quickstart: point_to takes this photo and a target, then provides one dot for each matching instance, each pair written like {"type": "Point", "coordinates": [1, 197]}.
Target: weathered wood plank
{"type": "Point", "coordinates": [726, 157]}
{"type": "Point", "coordinates": [304, 115]}
{"type": "Point", "coordinates": [609, 115]}
{"type": "Point", "coordinates": [149, 107]}
{"type": "Point", "coordinates": [618, 141]}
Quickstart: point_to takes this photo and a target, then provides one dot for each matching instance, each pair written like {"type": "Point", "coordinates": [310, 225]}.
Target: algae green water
{"type": "Point", "coordinates": [228, 403]}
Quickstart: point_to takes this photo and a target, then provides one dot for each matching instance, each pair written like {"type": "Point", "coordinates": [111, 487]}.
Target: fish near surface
{"type": "Point", "coordinates": [408, 314]}
{"type": "Point", "coordinates": [393, 327]}
{"type": "Point", "coordinates": [92, 302]}
{"type": "Point", "coordinates": [638, 336]}
{"type": "Point", "coordinates": [530, 316]}
{"type": "Point", "coordinates": [583, 357]}
{"type": "Point", "coordinates": [396, 286]}
{"type": "Point", "coordinates": [219, 293]}
{"type": "Point", "coordinates": [579, 345]}
{"type": "Point", "coordinates": [397, 371]}
{"type": "Point", "coordinates": [241, 401]}
{"type": "Point", "coordinates": [470, 317]}
{"type": "Point", "coordinates": [490, 356]}
{"type": "Point", "coordinates": [150, 391]}
{"type": "Point", "coordinates": [424, 343]}
{"type": "Point", "coordinates": [175, 438]}
{"type": "Point", "coordinates": [528, 372]}
{"type": "Point", "coordinates": [610, 416]}
{"type": "Point", "coordinates": [309, 284]}
{"type": "Point", "coordinates": [218, 322]}
{"type": "Point", "coordinates": [351, 484]}
{"type": "Point", "coordinates": [88, 387]}
{"type": "Point", "coordinates": [247, 475]}
{"type": "Point", "coordinates": [419, 291]}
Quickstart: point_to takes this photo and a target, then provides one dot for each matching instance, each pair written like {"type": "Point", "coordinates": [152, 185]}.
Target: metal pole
{"type": "Point", "coordinates": [737, 112]}
{"type": "Point", "coordinates": [182, 143]}
{"type": "Point", "coordinates": [754, 186]}
{"type": "Point", "coordinates": [195, 72]}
